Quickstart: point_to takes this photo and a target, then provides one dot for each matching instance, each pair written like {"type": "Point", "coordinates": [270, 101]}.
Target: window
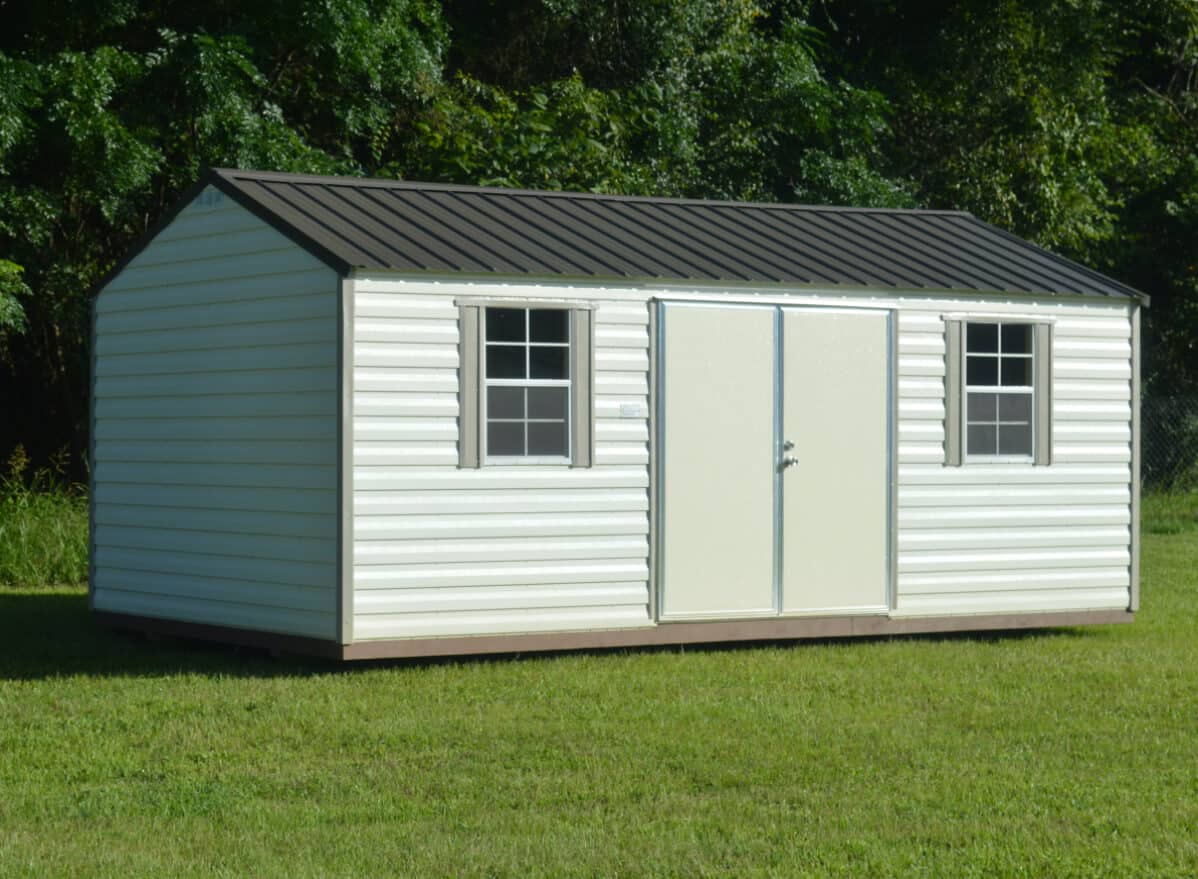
{"type": "Point", "coordinates": [998, 391]}
{"type": "Point", "coordinates": [524, 383]}
{"type": "Point", "coordinates": [527, 381]}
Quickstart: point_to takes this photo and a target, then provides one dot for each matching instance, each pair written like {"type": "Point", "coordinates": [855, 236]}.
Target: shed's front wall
{"type": "Point", "coordinates": [215, 429]}
{"type": "Point", "coordinates": [439, 550]}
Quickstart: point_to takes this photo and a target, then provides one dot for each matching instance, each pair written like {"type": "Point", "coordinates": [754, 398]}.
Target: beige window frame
{"type": "Point", "coordinates": [472, 384]}
{"type": "Point", "coordinates": [956, 393]}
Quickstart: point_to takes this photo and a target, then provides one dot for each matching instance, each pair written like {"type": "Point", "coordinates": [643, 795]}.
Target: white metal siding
{"type": "Point", "coordinates": [983, 538]}
{"type": "Point", "coordinates": [442, 551]}
{"type": "Point", "coordinates": [216, 428]}
{"type": "Point", "coordinates": [445, 551]}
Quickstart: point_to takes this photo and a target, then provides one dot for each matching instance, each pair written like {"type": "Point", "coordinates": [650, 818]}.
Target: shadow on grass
{"type": "Point", "coordinates": [52, 634]}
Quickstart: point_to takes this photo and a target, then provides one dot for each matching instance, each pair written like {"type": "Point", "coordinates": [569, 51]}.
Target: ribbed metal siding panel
{"type": "Point", "coordinates": [387, 225]}
{"type": "Point", "coordinates": [445, 551]}
{"type": "Point", "coordinates": [984, 538]}
{"type": "Point", "coordinates": [215, 433]}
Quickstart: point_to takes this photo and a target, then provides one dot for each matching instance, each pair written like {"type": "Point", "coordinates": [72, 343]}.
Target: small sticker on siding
{"type": "Point", "coordinates": [632, 410]}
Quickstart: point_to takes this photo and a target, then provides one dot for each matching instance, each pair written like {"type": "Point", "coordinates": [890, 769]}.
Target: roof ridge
{"type": "Point", "coordinates": [233, 174]}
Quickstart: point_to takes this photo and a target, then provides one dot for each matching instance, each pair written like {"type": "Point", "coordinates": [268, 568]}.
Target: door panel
{"type": "Point", "coordinates": [716, 462]}
{"type": "Point", "coordinates": [835, 507]}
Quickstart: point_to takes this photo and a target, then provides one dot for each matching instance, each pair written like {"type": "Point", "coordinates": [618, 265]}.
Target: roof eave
{"type": "Point", "coordinates": [1125, 289]}
{"type": "Point", "coordinates": [649, 282]}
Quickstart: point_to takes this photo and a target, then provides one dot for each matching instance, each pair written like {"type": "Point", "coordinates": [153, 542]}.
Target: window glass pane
{"type": "Point", "coordinates": [981, 370]}
{"type": "Point", "coordinates": [505, 361]}
{"type": "Point", "coordinates": [1015, 407]}
{"type": "Point", "coordinates": [1015, 439]}
{"type": "Point", "coordinates": [505, 403]}
{"type": "Point", "coordinates": [505, 325]}
{"type": "Point", "coordinates": [1017, 372]}
{"type": "Point", "coordinates": [981, 439]}
{"type": "Point", "coordinates": [981, 407]}
{"type": "Point", "coordinates": [980, 338]}
{"type": "Point", "coordinates": [549, 362]}
{"type": "Point", "coordinates": [549, 325]}
{"type": "Point", "coordinates": [547, 403]}
{"type": "Point", "coordinates": [547, 438]}
{"type": "Point", "coordinates": [505, 438]}
{"type": "Point", "coordinates": [1017, 339]}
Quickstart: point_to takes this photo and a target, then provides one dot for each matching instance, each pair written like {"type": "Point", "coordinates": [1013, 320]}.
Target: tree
{"type": "Point", "coordinates": [676, 97]}
{"type": "Point", "coordinates": [1073, 123]}
{"type": "Point", "coordinates": [1070, 122]}
{"type": "Point", "coordinates": [108, 110]}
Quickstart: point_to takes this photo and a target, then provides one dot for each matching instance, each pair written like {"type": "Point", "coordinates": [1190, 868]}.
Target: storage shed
{"type": "Point", "coordinates": [368, 418]}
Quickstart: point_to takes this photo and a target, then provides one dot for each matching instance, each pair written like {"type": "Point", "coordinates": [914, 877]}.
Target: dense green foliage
{"type": "Point", "coordinates": [1071, 122]}
{"type": "Point", "coordinates": [1057, 753]}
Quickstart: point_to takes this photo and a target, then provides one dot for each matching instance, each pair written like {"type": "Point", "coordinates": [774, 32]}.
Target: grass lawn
{"type": "Point", "coordinates": [1058, 753]}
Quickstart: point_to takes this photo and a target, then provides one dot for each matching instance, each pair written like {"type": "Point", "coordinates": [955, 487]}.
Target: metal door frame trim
{"type": "Point", "coordinates": [779, 440]}
{"type": "Point", "coordinates": [658, 428]}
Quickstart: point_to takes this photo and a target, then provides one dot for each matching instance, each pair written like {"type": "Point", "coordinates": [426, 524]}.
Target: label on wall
{"type": "Point", "coordinates": [632, 410]}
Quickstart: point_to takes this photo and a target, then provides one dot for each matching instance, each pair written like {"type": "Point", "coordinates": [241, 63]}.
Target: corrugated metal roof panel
{"type": "Point", "coordinates": [425, 227]}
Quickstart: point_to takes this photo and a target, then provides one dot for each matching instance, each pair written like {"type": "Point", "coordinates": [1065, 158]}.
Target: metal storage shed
{"type": "Point", "coordinates": [365, 418]}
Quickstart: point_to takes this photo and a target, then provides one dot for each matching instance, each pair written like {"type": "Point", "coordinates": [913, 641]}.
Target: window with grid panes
{"type": "Point", "coordinates": [526, 380]}
{"type": "Point", "coordinates": [999, 389]}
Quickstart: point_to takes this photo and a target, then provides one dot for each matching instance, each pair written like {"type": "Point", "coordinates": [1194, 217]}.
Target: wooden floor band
{"type": "Point", "coordinates": [664, 634]}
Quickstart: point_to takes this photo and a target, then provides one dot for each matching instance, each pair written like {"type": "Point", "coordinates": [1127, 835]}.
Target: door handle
{"type": "Point", "coordinates": [787, 461]}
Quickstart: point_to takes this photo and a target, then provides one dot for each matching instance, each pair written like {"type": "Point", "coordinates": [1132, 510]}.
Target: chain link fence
{"type": "Point", "coordinates": [1169, 437]}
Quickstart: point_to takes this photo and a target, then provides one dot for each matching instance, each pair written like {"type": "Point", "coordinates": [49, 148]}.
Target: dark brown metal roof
{"type": "Point", "coordinates": [355, 223]}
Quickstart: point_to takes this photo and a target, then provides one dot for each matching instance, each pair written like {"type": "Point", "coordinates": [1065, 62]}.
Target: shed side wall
{"type": "Point", "coordinates": [216, 428]}
{"type": "Point", "coordinates": [440, 550]}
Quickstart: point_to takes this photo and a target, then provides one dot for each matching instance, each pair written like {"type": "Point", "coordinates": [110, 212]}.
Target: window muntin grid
{"type": "Point", "coordinates": [999, 389]}
{"type": "Point", "coordinates": [527, 387]}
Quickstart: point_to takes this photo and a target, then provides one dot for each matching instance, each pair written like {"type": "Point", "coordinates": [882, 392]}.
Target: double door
{"type": "Point", "coordinates": [774, 461]}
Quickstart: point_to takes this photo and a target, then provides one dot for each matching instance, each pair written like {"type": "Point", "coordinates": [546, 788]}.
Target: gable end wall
{"type": "Point", "coordinates": [215, 428]}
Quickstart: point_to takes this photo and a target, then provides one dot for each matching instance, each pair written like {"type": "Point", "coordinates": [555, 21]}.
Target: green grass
{"type": "Point", "coordinates": [1169, 512]}
{"type": "Point", "coordinates": [1058, 753]}
{"type": "Point", "coordinates": [43, 526]}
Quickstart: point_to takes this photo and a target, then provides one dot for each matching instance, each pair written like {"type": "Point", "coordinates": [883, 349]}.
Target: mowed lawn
{"type": "Point", "coordinates": [1057, 753]}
